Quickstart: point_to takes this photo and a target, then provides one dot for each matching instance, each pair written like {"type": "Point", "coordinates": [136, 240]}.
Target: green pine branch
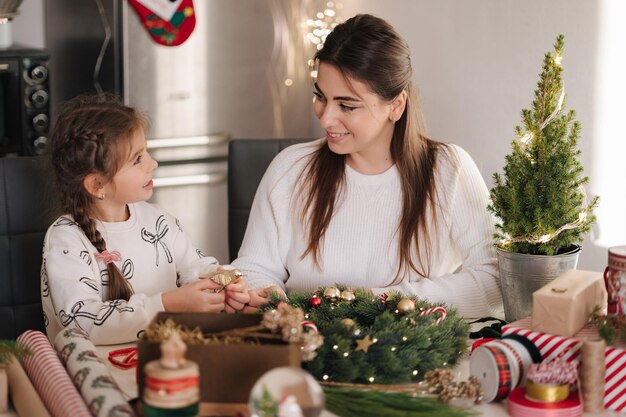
{"type": "Point", "coordinates": [11, 348]}
{"type": "Point", "coordinates": [538, 192]}
{"type": "Point", "coordinates": [360, 403]}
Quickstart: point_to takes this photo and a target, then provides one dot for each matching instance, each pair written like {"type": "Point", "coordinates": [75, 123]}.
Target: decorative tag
{"type": "Point", "coordinates": [165, 9]}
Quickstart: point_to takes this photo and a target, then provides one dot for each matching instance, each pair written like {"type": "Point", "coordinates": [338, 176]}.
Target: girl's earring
{"type": "Point", "coordinates": [102, 196]}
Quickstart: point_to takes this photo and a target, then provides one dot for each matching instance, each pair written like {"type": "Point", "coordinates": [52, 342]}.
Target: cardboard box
{"type": "Point", "coordinates": [227, 371]}
{"type": "Point", "coordinates": [563, 306]}
{"type": "Point", "coordinates": [552, 346]}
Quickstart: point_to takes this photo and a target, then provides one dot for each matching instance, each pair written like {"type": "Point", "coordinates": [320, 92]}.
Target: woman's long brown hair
{"type": "Point", "coordinates": [92, 135]}
{"type": "Point", "coordinates": [368, 49]}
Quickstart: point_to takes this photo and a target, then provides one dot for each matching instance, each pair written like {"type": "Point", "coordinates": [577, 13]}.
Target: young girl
{"type": "Point", "coordinates": [111, 261]}
{"type": "Point", "coordinates": [375, 203]}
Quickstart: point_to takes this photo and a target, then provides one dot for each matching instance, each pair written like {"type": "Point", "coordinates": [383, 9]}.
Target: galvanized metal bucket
{"type": "Point", "coordinates": [522, 274]}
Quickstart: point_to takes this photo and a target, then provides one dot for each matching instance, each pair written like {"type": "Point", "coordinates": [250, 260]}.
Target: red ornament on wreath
{"type": "Point", "coordinates": [315, 301]}
{"type": "Point", "coordinates": [169, 22]}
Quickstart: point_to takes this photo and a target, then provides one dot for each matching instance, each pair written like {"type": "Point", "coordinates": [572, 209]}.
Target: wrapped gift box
{"type": "Point", "coordinates": [551, 346]}
{"type": "Point", "coordinates": [563, 306]}
{"type": "Point", "coordinates": [227, 371]}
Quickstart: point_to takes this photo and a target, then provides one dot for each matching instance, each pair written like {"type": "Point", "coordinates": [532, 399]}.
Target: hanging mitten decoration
{"type": "Point", "coordinates": [169, 22]}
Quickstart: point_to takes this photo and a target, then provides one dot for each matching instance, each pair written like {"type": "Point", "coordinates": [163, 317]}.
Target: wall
{"type": "Point", "coordinates": [476, 65]}
{"type": "Point", "coordinates": [28, 27]}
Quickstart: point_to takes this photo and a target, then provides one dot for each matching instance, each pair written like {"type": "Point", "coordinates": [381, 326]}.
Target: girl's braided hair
{"type": "Point", "coordinates": [92, 136]}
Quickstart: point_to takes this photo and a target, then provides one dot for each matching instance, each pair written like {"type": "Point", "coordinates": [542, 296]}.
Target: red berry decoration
{"type": "Point", "coordinates": [315, 301]}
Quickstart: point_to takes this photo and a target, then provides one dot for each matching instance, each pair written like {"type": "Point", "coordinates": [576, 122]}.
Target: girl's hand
{"type": "Point", "coordinates": [259, 297]}
{"type": "Point", "coordinates": [194, 297]}
{"type": "Point", "coordinates": [236, 296]}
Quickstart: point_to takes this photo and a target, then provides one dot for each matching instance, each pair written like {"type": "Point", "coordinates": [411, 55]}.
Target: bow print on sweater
{"type": "Point", "coordinates": [161, 230]}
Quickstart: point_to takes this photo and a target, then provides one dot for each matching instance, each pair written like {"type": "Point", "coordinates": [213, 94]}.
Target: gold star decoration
{"type": "Point", "coordinates": [364, 344]}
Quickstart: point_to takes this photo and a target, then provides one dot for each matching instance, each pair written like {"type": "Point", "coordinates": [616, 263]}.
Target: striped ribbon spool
{"type": "Point", "coordinates": [437, 309]}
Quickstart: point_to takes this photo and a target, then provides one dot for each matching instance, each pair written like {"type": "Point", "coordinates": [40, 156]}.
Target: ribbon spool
{"type": "Point", "coordinates": [592, 374]}
{"type": "Point", "coordinates": [502, 365]}
{"type": "Point", "coordinates": [519, 405]}
{"type": "Point", "coordinates": [491, 366]}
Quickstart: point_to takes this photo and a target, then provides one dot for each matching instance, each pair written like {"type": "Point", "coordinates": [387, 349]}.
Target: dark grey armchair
{"type": "Point", "coordinates": [247, 161]}
{"type": "Point", "coordinates": [25, 214]}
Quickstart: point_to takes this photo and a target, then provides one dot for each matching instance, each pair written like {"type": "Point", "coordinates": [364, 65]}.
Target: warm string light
{"type": "Point", "coordinates": [528, 136]}
{"type": "Point", "coordinates": [318, 28]}
{"type": "Point", "coordinates": [582, 217]}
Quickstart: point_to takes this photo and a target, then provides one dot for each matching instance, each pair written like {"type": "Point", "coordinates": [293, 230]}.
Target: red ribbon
{"type": "Point", "coordinates": [108, 257]}
{"type": "Point", "coordinates": [171, 386]}
{"type": "Point", "coordinates": [124, 358]}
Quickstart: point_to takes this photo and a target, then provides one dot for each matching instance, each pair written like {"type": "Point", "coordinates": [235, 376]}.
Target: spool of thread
{"type": "Point", "coordinates": [592, 374]}
{"type": "Point", "coordinates": [172, 383]}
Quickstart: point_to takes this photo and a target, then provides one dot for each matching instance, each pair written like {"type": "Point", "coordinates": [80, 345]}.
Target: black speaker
{"type": "Point", "coordinates": [24, 101]}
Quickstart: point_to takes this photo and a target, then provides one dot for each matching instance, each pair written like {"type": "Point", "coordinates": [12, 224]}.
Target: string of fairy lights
{"type": "Point", "coordinates": [318, 27]}
{"type": "Point", "coordinates": [525, 139]}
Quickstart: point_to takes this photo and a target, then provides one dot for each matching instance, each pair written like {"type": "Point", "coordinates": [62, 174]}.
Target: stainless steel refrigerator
{"type": "Point", "coordinates": [243, 73]}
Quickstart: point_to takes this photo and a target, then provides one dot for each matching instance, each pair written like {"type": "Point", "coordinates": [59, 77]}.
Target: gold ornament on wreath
{"type": "Point", "coordinates": [406, 305]}
{"type": "Point", "coordinates": [347, 296]}
{"type": "Point", "coordinates": [332, 294]}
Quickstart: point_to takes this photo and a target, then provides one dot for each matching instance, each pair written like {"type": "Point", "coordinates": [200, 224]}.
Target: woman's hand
{"type": "Point", "coordinates": [237, 296]}
{"type": "Point", "coordinates": [260, 296]}
{"type": "Point", "coordinates": [194, 297]}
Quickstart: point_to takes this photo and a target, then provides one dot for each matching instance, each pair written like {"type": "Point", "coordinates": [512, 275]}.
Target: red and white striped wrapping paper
{"type": "Point", "coordinates": [49, 377]}
{"type": "Point", "coordinates": [551, 346]}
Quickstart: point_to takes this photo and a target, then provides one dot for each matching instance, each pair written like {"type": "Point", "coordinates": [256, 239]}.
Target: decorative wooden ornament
{"type": "Point", "coordinates": [364, 344]}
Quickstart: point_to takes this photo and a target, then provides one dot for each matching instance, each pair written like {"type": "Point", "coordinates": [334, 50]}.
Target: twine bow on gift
{"type": "Point", "coordinates": [107, 257]}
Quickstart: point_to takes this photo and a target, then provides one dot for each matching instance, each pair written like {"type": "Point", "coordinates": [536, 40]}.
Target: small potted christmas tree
{"type": "Point", "coordinates": [539, 201]}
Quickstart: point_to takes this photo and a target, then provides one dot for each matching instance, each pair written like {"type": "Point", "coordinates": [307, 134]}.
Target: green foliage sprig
{"type": "Point", "coordinates": [540, 190]}
{"type": "Point", "coordinates": [611, 328]}
{"type": "Point", "coordinates": [361, 403]}
{"type": "Point", "coordinates": [407, 345]}
{"type": "Point", "coordinates": [11, 348]}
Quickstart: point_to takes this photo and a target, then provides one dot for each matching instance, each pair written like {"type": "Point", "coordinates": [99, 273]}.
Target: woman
{"type": "Point", "coordinates": [374, 203]}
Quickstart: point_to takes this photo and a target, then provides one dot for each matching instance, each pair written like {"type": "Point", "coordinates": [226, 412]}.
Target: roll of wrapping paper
{"type": "Point", "coordinates": [49, 377]}
{"type": "Point", "coordinates": [23, 395]}
{"type": "Point", "coordinates": [519, 405]}
{"type": "Point", "coordinates": [592, 372]}
{"type": "Point", "coordinates": [90, 374]}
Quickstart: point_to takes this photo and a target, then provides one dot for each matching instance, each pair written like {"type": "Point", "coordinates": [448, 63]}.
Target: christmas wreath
{"type": "Point", "coordinates": [386, 339]}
